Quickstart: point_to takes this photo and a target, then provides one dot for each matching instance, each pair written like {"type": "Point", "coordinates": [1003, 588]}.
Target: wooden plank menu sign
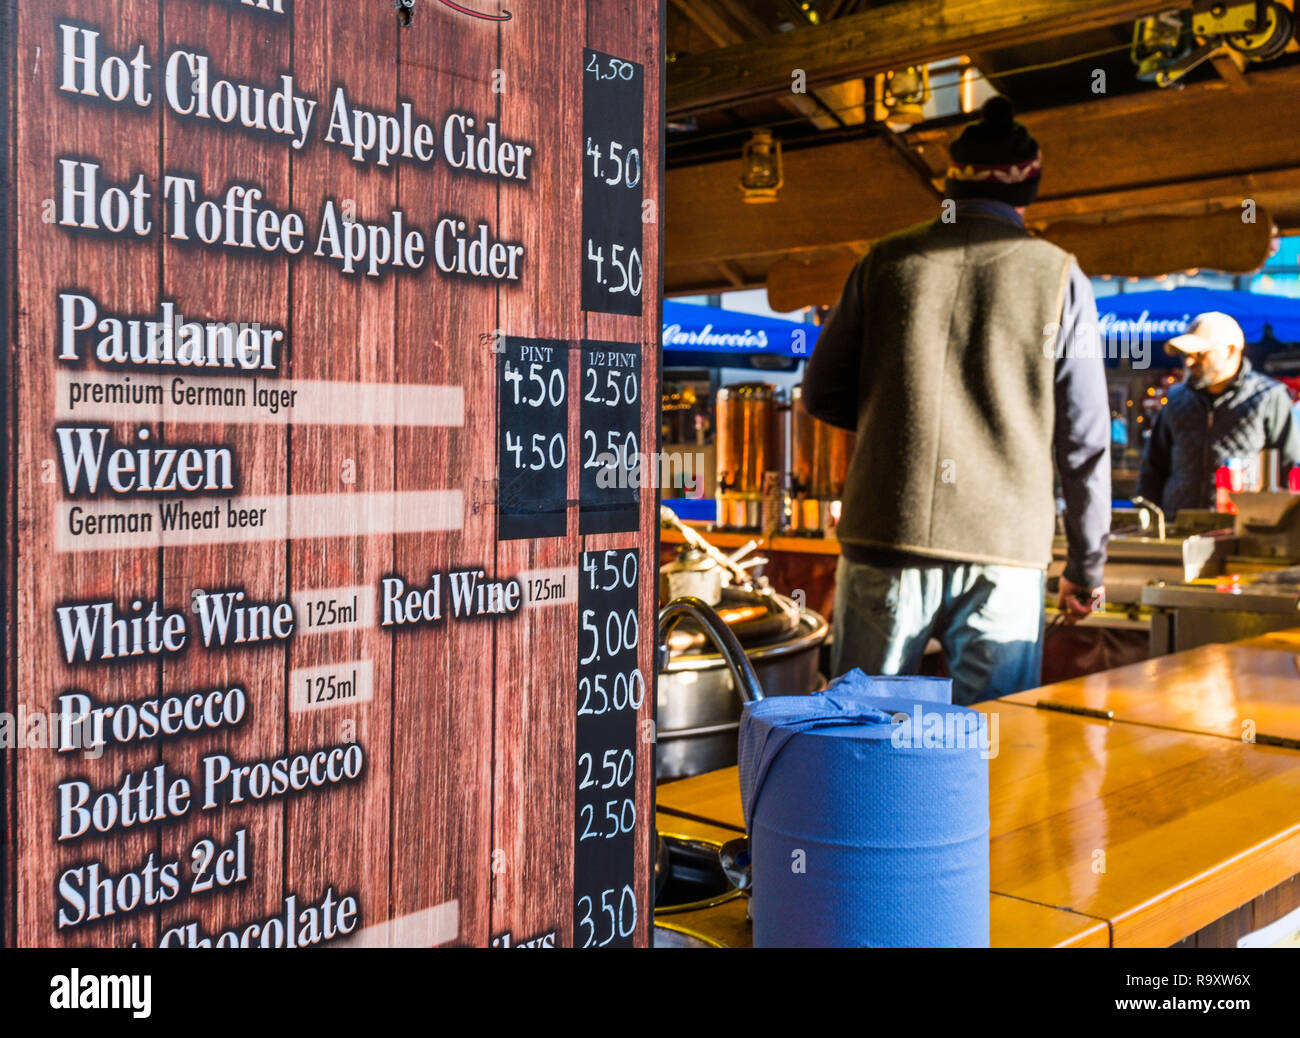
{"type": "Point", "coordinates": [327, 612]}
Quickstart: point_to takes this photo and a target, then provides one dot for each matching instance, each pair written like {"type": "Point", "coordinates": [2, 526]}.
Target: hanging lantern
{"type": "Point", "coordinates": [763, 175]}
{"type": "Point", "coordinates": [901, 95]}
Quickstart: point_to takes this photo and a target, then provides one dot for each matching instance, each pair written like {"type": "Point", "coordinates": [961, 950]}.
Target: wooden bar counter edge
{"type": "Point", "coordinates": [730, 540]}
{"type": "Point", "coordinates": [1164, 825]}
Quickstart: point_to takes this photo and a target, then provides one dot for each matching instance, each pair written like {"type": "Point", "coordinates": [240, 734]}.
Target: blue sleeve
{"type": "Point", "coordinates": [1081, 443]}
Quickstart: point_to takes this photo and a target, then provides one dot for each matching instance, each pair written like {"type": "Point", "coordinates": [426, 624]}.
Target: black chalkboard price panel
{"type": "Point", "coordinates": [613, 164]}
{"type": "Point", "coordinates": [532, 444]}
{"type": "Point", "coordinates": [612, 462]}
{"type": "Point", "coordinates": [611, 691]}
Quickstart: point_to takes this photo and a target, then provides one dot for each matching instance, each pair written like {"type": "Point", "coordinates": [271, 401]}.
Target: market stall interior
{"type": "Point", "coordinates": [1174, 178]}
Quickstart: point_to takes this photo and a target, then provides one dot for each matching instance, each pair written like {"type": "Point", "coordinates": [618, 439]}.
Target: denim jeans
{"type": "Point", "coordinates": [989, 620]}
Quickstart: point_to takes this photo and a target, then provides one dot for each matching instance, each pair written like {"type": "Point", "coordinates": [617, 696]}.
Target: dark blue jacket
{"type": "Point", "coordinates": [1196, 432]}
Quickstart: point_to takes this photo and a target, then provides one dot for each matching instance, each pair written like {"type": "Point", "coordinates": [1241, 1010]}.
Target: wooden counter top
{"type": "Point", "coordinates": [1288, 639]}
{"type": "Point", "coordinates": [730, 541]}
{"type": "Point", "coordinates": [1244, 690]}
{"type": "Point", "coordinates": [1013, 923]}
{"type": "Point", "coordinates": [1158, 832]}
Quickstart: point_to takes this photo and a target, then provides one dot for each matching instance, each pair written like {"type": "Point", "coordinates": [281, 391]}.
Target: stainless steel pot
{"type": "Point", "coordinates": [699, 710]}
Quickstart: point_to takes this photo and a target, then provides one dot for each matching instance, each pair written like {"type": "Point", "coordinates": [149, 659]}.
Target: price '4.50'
{"type": "Point", "coordinates": [541, 454]}
{"type": "Point", "coordinates": [625, 164]}
{"type": "Point", "coordinates": [546, 392]}
{"type": "Point", "coordinates": [628, 274]}
{"type": "Point", "coordinates": [611, 68]}
{"type": "Point", "coordinates": [609, 574]}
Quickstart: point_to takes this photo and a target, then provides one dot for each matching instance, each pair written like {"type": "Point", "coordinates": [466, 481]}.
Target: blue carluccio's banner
{"type": "Point", "coordinates": [319, 626]}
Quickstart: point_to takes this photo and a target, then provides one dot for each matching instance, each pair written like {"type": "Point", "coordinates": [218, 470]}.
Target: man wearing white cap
{"type": "Point", "coordinates": [1222, 409]}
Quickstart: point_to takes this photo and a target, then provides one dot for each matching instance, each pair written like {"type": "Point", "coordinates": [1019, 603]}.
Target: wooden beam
{"type": "Point", "coordinates": [1154, 152]}
{"type": "Point", "coordinates": [795, 283]}
{"type": "Point", "coordinates": [1231, 68]}
{"type": "Point", "coordinates": [743, 16]}
{"type": "Point", "coordinates": [1156, 136]}
{"type": "Point", "coordinates": [1145, 247]}
{"type": "Point", "coordinates": [709, 22]}
{"type": "Point", "coordinates": [846, 101]}
{"type": "Point", "coordinates": [1175, 197]}
{"type": "Point", "coordinates": [732, 273]}
{"type": "Point", "coordinates": [727, 23]}
{"type": "Point", "coordinates": [1153, 245]}
{"type": "Point", "coordinates": [850, 190]}
{"type": "Point", "coordinates": [905, 33]}
{"type": "Point", "coordinates": [789, 276]}
{"type": "Point", "coordinates": [701, 288]}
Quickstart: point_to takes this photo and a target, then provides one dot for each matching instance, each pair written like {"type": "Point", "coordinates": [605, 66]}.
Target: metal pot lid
{"type": "Point", "coordinates": [754, 618]}
{"type": "Point", "coordinates": [810, 632]}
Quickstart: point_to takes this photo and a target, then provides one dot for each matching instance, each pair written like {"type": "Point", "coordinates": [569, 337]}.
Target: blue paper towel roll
{"type": "Point", "coordinates": [867, 811]}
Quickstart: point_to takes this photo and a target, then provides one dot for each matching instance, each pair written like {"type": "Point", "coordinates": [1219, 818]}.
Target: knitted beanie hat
{"type": "Point", "coordinates": [995, 158]}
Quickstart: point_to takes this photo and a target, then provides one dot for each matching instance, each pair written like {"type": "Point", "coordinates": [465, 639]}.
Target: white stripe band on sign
{"type": "Point", "coordinates": [116, 525]}
{"type": "Point", "coordinates": [334, 609]}
{"type": "Point", "coordinates": [549, 587]}
{"type": "Point", "coordinates": [335, 684]}
{"type": "Point", "coordinates": [114, 397]}
{"type": "Point", "coordinates": [427, 928]}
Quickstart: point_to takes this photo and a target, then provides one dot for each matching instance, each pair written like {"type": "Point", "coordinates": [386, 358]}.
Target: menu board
{"type": "Point", "coordinates": [319, 629]}
{"type": "Point", "coordinates": [611, 692]}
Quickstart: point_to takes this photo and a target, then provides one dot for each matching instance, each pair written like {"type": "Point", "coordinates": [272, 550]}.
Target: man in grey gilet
{"type": "Point", "coordinates": [965, 355]}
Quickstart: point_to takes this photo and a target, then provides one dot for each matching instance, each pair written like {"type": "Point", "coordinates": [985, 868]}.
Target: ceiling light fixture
{"type": "Point", "coordinates": [763, 175]}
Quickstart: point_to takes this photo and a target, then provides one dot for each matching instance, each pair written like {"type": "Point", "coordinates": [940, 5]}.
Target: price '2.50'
{"type": "Point", "coordinates": [610, 394]}
{"type": "Point", "coordinates": [628, 276]}
{"type": "Point", "coordinates": [619, 819]}
{"type": "Point", "coordinates": [620, 766]}
{"type": "Point", "coordinates": [623, 455]}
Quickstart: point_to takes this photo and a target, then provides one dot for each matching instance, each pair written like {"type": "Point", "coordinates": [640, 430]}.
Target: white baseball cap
{"type": "Point", "coordinates": [1206, 332]}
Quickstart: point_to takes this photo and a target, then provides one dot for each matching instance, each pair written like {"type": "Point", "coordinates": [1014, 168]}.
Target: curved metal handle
{"type": "Point", "coordinates": [742, 671]}
{"type": "Point", "coordinates": [1142, 504]}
